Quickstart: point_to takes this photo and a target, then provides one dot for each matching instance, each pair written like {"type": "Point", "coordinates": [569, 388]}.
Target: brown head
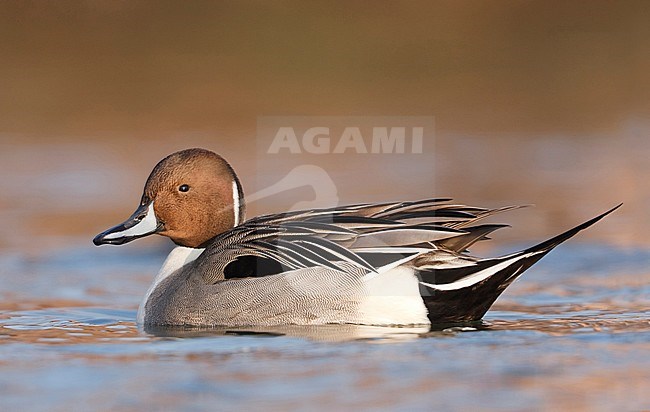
{"type": "Point", "coordinates": [190, 196]}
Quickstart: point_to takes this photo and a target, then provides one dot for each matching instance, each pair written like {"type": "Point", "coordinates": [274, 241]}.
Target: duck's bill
{"type": "Point", "coordinates": [142, 223]}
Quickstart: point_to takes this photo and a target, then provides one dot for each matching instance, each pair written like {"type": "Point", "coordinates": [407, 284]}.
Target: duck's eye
{"type": "Point", "coordinates": [183, 188]}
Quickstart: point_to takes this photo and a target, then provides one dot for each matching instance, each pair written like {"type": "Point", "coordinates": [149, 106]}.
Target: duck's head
{"type": "Point", "coordinates": [190, 196]}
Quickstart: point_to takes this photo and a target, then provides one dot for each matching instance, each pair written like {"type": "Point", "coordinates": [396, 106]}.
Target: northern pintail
{"type": "Point", "coordinates": [393, 263]}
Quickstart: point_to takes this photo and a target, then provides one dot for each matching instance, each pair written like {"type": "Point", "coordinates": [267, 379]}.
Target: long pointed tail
{"type": "Point", "coordinates": [465, 293]}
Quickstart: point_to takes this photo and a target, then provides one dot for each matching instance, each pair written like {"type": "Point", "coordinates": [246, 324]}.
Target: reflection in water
{"type": "Point", "coordinates": [322, 333]}
{"type": "Point", "coordinates": [78, 326]}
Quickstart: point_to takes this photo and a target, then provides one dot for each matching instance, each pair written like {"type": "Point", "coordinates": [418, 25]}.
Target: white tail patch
{"type": "Point", "coordinates": [393, 298]}
{"type": "Point", "coordinates": [480, 275]}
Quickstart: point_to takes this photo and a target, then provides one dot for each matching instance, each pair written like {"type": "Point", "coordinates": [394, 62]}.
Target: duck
{"type": "Point", "coordinates": [386, 264]}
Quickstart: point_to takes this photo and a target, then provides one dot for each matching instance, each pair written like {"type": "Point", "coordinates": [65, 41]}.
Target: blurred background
{"type": "Point", "coordinates": [544, 103]}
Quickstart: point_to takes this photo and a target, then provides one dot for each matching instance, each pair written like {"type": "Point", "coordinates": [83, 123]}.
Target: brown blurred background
{"type": "Point", "coordinates": [544, 102]}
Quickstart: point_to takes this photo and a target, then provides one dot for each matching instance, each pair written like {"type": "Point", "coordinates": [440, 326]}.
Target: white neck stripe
{"type": "Point", "coordinates": [235, 201]}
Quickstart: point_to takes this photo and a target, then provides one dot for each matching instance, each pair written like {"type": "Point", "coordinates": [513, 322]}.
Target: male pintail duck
{"type": "Point", "coordinates": [394, 263]}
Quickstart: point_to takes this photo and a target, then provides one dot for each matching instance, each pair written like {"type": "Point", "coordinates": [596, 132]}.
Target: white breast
{"type": "Point", "coordinates": [177, 258]}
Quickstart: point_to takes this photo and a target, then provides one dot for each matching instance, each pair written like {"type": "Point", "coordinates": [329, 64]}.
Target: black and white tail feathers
{"type": "Point", "coordinates": [464, 293]}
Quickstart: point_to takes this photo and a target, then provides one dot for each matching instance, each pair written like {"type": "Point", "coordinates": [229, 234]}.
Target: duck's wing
{"type": "Point", "coordinates": [370, 237]}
